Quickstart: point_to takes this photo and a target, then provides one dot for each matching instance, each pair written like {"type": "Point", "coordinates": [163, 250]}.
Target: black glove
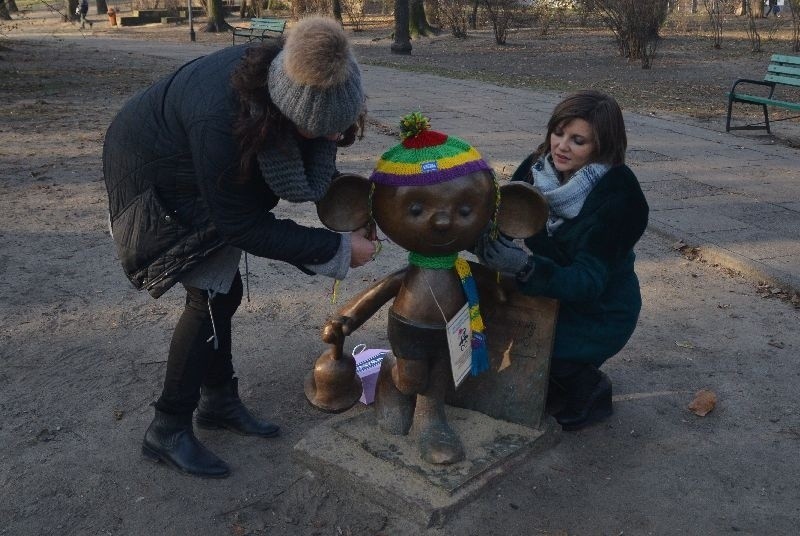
{"type": "Point", "coordinates": [505, 256]}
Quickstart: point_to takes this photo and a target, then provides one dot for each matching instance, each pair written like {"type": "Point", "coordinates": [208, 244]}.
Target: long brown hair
{"type": "Point", "coordinates": [261, 122]}
{"type": "Point", "coordinates": [604, 116]}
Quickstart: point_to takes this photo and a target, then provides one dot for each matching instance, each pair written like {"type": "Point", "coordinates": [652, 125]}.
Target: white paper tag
{"type": "Point", "coordinates": [459, 341]}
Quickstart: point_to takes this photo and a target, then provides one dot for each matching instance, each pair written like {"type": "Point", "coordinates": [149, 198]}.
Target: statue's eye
{"type": "Point", "coordinates": [464, 210]}
{"type": "Point", "coordinates": [415, 209]}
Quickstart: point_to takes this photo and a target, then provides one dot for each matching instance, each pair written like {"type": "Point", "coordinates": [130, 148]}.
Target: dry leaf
{"type": "Point", "coordinates": [684, 344]}
{"type": "Point", "coordinates": [704, 401]}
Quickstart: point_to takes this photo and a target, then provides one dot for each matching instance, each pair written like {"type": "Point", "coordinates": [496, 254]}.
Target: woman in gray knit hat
{"type": "Point", "coordinates": [193, 166]}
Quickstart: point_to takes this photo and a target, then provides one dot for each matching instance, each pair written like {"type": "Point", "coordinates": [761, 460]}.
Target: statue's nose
{"type": "Point", "coordinates": [440, 220]}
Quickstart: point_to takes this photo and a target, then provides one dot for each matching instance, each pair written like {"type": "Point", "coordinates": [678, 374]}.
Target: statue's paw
{"type": "Point", "coordinates": [440, 445]}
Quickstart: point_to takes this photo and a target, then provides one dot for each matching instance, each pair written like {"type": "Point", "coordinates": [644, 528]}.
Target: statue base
{"type": "Point", "coordinates": [351, 450]}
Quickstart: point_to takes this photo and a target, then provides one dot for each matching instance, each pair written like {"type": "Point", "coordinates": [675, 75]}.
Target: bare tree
{"type": "Point", "coordinates": [402, 38]}
{"type": "Point", "coordinates": [354, 9]}
{"type": "Point", "coordinates": [635, 25]}
{"type": "Point", "coordinates": [456, 15]}
{"type": "Point", "coordinates": [501, 14]}
{"type": "Point", "coordinates": [752, 30]}
{"type": "Point", "coordinates": [336, 9]}
{"type": "Point", "coordinates": [794, 6]}
{"type": "Point", "coordinates": [216, 17]}
{"type": "Point", "coordinates": [717, 9]}
{"type": "Point", "coordinates": [418, 21]}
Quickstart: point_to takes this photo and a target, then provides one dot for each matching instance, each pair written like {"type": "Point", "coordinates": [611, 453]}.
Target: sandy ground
{"type": "Point", "coordinates": [82, 356]}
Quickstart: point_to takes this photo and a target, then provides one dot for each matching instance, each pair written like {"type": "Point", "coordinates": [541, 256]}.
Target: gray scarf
{"type": "Point", "coordinates": [299, 170]}
{"type": "Point", "coordinates": [565, 200]}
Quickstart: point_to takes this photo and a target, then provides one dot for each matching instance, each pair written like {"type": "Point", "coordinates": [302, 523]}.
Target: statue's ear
{"type": "Point", "coordinates": [523, 210]}
{"type": "Point", "coordinates": [345, 206]}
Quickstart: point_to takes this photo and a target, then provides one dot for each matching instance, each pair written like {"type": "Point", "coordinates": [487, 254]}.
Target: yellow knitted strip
{"type": "Point", "coordinates": [399, 168]}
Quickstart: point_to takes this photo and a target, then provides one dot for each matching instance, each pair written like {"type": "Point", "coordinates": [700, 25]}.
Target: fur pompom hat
{"type": "Point", "coordinates": [315, 80]}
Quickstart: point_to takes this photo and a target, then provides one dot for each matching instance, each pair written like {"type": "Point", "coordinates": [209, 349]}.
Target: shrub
{"type": "Point", "coordinates": [501, 14]}
{"type": "Point", "coordinates": [455, 15]}
{"type": "Point", "coordinates": [635, 25]}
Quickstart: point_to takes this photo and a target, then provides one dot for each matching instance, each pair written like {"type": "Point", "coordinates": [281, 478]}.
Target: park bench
{"type": "Point", "coordinates": [782, 71]}
{"type": "Point", "coordinates": [260, 29]}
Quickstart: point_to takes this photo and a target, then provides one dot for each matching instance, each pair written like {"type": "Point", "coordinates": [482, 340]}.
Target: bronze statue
{"type": "Point", "coordinates": [434, 196]}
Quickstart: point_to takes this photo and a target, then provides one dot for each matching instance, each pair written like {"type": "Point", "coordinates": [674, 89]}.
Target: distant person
{"type": "Point", "coordinates": [772, 7]}
{"type": "Point", "coordinates": [194, 166]}
{"type": "Point", "coordinates": [584, 255]}
{"type": "Point", "coordinates": [83, 9]}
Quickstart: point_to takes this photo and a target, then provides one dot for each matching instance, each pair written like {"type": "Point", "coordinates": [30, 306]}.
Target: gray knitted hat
{"type": "Point", "coordinates": [315, 80]}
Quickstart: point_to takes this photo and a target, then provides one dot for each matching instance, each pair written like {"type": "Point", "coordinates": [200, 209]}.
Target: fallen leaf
{"type": "Point", "coordinates": [776, 344]}
{"type": "Point", "coordinates": [704, 401]}
{"type": "Point", "coordinates": [684, 344]}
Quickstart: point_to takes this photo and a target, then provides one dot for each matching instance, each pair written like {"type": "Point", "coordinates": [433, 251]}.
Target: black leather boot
{"type": "Point", "coordinates": [221, 407]}
{"type": "Point", "coordinates": [170, 439]}
{"type": "Point", "coordinates": [588, 395]}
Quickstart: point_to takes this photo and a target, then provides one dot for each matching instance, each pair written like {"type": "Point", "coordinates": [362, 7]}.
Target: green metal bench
{"type": "Point", "coordinates": [260, 29]}
{"type": "Point", "coordinates": [782, 71]}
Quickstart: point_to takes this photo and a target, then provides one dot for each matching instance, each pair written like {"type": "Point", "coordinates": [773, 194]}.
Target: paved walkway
{"type": "Point", "coordinates": [735, 197]}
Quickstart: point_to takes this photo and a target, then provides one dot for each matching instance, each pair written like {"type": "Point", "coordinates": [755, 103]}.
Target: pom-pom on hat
{"type": "Point", "coordinates": [426, 156]}
{"type": "Point", "coordinates": [315, 80]}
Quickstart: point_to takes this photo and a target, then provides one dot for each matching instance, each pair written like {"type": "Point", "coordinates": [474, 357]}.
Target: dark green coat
{"type": "Point", "coordinates": [588, 265]}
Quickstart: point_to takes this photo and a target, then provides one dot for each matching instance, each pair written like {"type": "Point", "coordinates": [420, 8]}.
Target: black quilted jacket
{"type": "Point", "coordinates": [168, 162]}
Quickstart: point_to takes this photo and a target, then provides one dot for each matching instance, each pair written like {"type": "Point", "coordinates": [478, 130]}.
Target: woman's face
{"type": "Point", "coordinates": [572, 146]}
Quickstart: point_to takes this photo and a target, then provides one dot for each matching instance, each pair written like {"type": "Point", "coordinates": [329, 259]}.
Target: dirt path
{"type": "Point", "coordinates": [82, 357]}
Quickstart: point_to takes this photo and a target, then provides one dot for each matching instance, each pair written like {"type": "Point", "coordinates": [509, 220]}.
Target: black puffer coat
{"type": "Point", "coordinates": [170, 162]}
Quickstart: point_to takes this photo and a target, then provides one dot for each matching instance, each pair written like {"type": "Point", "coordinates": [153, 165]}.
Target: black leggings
{"type": "Point", "coordinates": [193, 359]}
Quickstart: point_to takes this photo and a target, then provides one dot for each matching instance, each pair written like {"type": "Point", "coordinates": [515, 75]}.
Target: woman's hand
{"type": "Point", "coordinates": [502, 255]}
{"type": "Point", "coordinates": [363, 246]}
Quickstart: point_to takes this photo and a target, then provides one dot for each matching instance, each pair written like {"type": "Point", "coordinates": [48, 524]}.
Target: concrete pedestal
{"type": "Point", "coordinates": [351, 449]}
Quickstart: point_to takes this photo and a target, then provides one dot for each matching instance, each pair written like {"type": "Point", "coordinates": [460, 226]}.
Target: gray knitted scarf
{"type": "Point", "coordinates": [565, 200]}
{"type": "Point", "coordinates": [299, 170]}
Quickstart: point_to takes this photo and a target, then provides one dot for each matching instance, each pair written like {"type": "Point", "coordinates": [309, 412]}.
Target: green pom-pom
{"type": "Point", "coordinates": [413, 124]}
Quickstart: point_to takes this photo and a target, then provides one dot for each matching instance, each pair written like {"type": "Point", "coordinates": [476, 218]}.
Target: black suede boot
{"type": "Point", "coordinates": [588, 395]}
{"type": "Point", "coordinates": [221, 407]}
{"type": "Point", "coordinates": [170, 439]}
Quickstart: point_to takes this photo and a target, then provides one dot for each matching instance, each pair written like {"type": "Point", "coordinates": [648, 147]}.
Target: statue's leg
{"type": "Point", "coordinates": [438, 443]}
{"type": "Point", "coordinates": [394, 410]}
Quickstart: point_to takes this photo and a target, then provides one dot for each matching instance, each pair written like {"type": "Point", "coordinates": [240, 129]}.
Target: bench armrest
{"type": "Point", "coordinates": [770, 85]}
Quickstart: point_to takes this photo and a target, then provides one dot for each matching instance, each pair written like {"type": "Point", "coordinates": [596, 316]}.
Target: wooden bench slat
{"type": "Point", "coordinates": [781, 58]}
{"type": "Point", "coordinates": [755, 99]}
{"type": "Point", "coordinates": [785, 80]}
{"type": "Point", "coordinates": [779, 68]}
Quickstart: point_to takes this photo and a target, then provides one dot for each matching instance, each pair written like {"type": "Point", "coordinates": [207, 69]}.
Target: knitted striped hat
{"type": "Point", "coordinates": [425, 156]}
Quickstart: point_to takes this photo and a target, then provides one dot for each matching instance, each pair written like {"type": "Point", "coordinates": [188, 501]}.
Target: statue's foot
{"type": "Point", "coordinates": [394, 411]}
{"type": "Point", "coordinates": [439, 444]}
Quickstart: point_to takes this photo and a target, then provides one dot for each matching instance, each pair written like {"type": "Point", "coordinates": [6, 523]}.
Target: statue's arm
{"type": "Point", "coordinates": [361, 308]}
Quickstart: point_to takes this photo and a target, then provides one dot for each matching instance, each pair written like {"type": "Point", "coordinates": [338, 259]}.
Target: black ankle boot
{"type": "Point", "coordinates": [170, 439]}
{"type": "Point", "coordinates": [221, 407]}
{"type": "Point", "coordinates": [588, 396]}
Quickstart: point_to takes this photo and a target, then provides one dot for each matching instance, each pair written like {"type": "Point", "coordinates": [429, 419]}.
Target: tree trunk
{"type": "Point", "coordinates": [4, 14]}
{"type": "Point", "coordinates": [402, 40]}
{"type": "Point", "coordinates": [216, 18]}
{"type": "Point", "coordinates": [473, 20]}
{"type": "Point", "coordinates": [70, 6]}
{"type": "Point", "coordinates": [102, 7]}
{"type": "Point", "coordinates": [12, 6]}
{"type": "Point", "coordinates": [336, 6]}
{"type": "Point", "coordinates": [418, 21]}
